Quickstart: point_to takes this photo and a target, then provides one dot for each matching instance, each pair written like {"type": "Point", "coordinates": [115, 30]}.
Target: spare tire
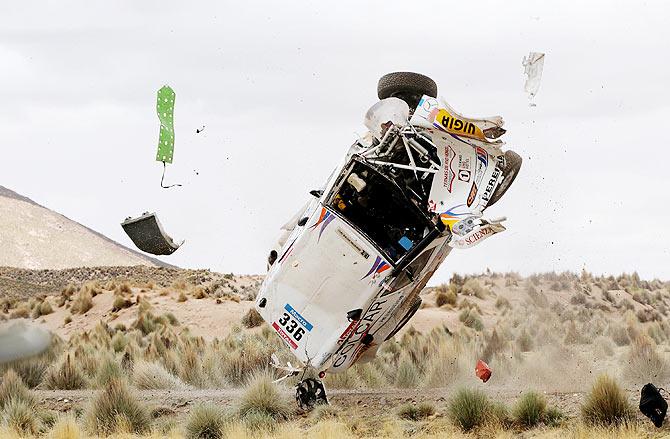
{"type": "Point", "coordinates": [407, 86]}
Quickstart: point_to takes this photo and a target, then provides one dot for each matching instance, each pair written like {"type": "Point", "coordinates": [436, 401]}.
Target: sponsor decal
{"type": "Point", "coordinates": [490, 187]}
{"type": "Point", "coordinates": [464, 175]}
{"type": "Point", "coordinates": [482, 156]}
{"type": "Point", "coordinates": [355, 246]}
{"type": "Point", "coordinates": [378, 267]}
{"type": "Point", "coordinates": [291, 326]}
{"type": "Point", "coordinates": [445, 121]}
{"type": "Point", "coordinates": [352, 347]}
{"type": "Point", "coordinates": [450, 217]}
{"type": "Point", "coordinates": [284, 336]}
{"type": "Point", "coordinates": [472, 194]}
{"type": "Point", "coordinates": [324, 219]}
{"type": "Point", "coordinates": [477, 236]}
{"type": "Point", "coordinates": [347, 332]}
{"type": "Point", "coordinates": [449, 175]}
{"type": "Point", "coordinates": [296, 315]}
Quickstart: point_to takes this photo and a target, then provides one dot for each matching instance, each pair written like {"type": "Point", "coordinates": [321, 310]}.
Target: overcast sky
{"type": "Point", "coordinates": [281, 88]}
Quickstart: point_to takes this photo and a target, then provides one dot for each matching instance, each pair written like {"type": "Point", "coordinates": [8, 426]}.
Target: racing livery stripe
{"type": "Point", "coordinates": [284, 335]}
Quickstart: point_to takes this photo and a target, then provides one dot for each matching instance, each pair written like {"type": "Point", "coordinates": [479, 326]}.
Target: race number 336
{"type": "Point", "coordinates": [291, 326]}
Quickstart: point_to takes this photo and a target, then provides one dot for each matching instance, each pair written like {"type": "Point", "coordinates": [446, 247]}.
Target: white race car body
{"type": "Point", "coordinates": [349, 274]}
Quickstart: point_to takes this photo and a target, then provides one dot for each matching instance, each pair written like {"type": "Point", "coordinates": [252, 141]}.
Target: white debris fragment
{"type": "Point", "coordinates": [533, 65]}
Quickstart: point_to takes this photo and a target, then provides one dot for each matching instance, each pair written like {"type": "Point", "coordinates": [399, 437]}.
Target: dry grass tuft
{"type": "Point", "coordinates": [262, 396]}
{"type": "Point", "coordinates": [65, 375]}
{"type": "Point", "coordinates": [13, 388]}
{"type": "Point", "coordinates": [83, 303]}
{"type": "Point", "coordinates": [252, 319]}
{"type": "Point", "coordinates": [469, 409]}
{"type": "Point", "coordinates": [66, 427]}
{"type": "Point", "coordinates": [530, 410]}
{"type": "Point", "coordinates": [607, 404]}
{"type": "Point", "coordinates": [206, 421]}
{"type": "Point", "coordinates": [153, 376]}
{"type": "Point", "coordinates": [20, 416]}
{"type": "Point", "coordinates": [415, 412]}
{"type": "Point", "coordinates": [115, 409]}
{"type": "Point", "coordinates": [644, 363]}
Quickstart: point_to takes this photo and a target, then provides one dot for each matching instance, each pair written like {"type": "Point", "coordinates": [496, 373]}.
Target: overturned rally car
{"type": "Point", "coordinates": [347, 273]}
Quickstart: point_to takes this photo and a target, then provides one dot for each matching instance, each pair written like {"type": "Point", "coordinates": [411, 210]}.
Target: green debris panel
{"type": "Point", "coordinates": [165, 109]}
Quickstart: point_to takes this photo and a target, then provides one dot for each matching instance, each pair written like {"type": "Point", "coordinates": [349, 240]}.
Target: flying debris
{"type": "Point", "coordinates": [200, 130]}
{"type": "Point", "coordinates": [483, 371]}
{"type": "Point", "coordinates": [20, 340]}
{"type": "Point", "coordinates": [165, 109]}
{"type": "Point", "coordinates": [533, 65]}
{"type": "Point", "coordinates": [652, 404]}
{"type": "Point", "coordinates": [148, 235]}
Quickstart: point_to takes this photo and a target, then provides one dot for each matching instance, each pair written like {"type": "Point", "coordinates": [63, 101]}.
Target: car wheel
{"type": "Point", "coordinates": [512, 167]}
{"type": "Point", "coordinates": [407, 86]}
{"type": "Point", "coordinates": [412, 310]}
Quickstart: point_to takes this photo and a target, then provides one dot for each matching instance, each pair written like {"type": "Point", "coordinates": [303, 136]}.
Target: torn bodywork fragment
{"type": "Point", "coordinates": [533, 65]}
{"type": "Point", "coordinates": [148, 235]}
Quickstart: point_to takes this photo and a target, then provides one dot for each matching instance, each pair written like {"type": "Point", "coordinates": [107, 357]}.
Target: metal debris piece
{"type": "Point", "coordinates": [148, 235]}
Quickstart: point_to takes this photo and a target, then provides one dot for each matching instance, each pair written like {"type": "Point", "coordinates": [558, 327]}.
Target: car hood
{"type": "Point", "coordinates": [326, 269]}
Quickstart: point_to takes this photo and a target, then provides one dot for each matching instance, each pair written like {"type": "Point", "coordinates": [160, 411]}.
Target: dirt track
{"type": "Point", "coordinates": [363, 403]}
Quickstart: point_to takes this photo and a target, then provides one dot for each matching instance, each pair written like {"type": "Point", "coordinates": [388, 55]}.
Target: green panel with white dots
{"type": "Point", "coordinates": [165, 109]}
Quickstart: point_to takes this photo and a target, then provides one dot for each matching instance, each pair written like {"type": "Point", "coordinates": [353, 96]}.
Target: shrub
{"type": "Point", "coordinates": [644, 362]}
{"type": "Point", "coordinates": [407, 374]}
{"type": "Point", "coordinates": [471, 319]}
{"type": "Point", "coordinates": [206, 421]}
{"type": "Point", "coordinates": [469, 409]}
{"type": "Point", "coordinates": [120, 303]}
{"type": "Point", "coordinates": [66, 375]}
{"type": "Point", "coordinates": [21, 417]}
{"type": "Point", "coordinates": [199, 293]}
{"type": "Point", "coordinates": [20, 312]}
{"type": "Point", "coordinates": [12, 388]}
{"type": "Point", "coordinates": [66, 427]}
{"type": "Point", "coordinates": [116, 408]}
{"type": "Point", "coordinates": [109, 369]}
{"type": "Point", "coordinates": [261, 395]}
{"type": "Point", "coordinates": [45, 308]}
{"type": "Point", "coordinates": [182, 297]}
{"type": "Point", "coordinates": [445, 298]}
{"type": "Point", "coordinates": [252, 319]}
{"type": "Point", "coordinates": [530, 409]}
{"type": "Point", "coordinates": [553, 417]}
{"type": "Point", "coordinates": [153, 376]}
{"type": "Point", "coordinates": [524, 341]}
{"type": "Point", "coordinates": [325, 411]}
{"type": "Point", "coordinates": [83, 302]}
{"type": "Point", "coordinates": [502, 303]}
{"type": "Point", "coordinates": [67, 320]}
{"type": "Point", "coordinates": [414, 412]}
{"type": "Point", "coordinates": [472, 287]}
{"type": "Point", "coordinates": [606, 404]}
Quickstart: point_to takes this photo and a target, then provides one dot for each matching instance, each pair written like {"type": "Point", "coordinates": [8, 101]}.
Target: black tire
{"type": "Point", "coordinates": [414, 308]}
{"type": "Point", "coordinates": [512, 167]}
{"type": "Point", "coordinates": [407, 86]}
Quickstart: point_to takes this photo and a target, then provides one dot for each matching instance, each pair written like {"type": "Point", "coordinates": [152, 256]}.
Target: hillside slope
{"type": "Point", "coordinates": [34, 237]}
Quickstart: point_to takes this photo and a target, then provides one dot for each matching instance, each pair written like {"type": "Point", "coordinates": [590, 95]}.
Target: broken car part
{"type": "Point", "coordinates": [148, 235]}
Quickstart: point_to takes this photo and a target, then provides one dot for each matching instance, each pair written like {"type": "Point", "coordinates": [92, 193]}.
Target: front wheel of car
{"type": "Point", "coordinates": [512, 167]}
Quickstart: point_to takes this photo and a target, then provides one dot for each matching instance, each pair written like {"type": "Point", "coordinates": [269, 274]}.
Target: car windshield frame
{"type": "Point", "coordinates": [391, 186]}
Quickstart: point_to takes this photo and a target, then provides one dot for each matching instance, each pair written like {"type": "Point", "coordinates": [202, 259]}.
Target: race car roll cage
{"type": "Point", "coordinates": [379, 159]}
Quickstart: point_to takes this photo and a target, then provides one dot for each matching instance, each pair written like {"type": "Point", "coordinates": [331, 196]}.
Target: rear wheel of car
{"type": "Point", "coordinates": [512, 167]}
{"type": "Point", "coordinates": [407, 86]}
{"type": "Point", "coordinates": [412, 310]}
